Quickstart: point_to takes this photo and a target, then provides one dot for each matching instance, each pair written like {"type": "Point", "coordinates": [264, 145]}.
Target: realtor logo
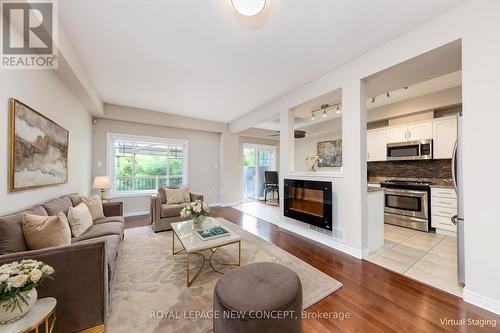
{"type": "Point", "coordinates": [29, 31]}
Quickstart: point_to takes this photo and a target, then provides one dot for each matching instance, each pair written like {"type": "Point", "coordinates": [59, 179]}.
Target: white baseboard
{"type": "Point", "coordinates": [136, 213]}
{"type": "Point", "coordinates": [482, 301]}
{"type": "Point", "coordinates": [224, 204]}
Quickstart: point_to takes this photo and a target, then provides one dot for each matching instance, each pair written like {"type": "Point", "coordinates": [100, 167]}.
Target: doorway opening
{"type": "Point", "coordinates": [414, 204]}
{"type": "Point", "coordinates": [256, 159]}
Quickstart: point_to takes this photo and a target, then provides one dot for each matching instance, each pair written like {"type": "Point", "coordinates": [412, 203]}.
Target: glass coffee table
{"type": "Point", "coordinates": [193, 245]}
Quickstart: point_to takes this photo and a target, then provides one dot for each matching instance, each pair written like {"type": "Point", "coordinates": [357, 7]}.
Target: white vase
{"type": "Point", "coordinates": [6, 316]}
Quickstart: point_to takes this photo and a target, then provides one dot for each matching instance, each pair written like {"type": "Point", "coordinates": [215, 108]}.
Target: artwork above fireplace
{"type": "Point", "coordinates": [309, 201]}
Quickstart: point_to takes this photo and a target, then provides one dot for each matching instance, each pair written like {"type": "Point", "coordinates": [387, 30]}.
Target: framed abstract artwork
{"type": "Point", "coordinates": [38, 149]}
{"type": "Point", "coordinates": [330, 152]}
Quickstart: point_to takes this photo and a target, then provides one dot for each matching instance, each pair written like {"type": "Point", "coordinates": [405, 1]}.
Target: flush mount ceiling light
{"type": "Point", "coordinates": [248, 7]}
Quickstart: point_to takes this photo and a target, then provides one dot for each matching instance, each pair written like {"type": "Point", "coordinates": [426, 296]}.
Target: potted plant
{"type": "Point", "coordinates": [18, 282]}
{"type": "Point", "coordinates": [198, 210]}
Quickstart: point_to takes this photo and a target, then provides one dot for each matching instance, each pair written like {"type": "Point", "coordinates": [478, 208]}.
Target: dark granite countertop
{"type": "Point", "coordinates": [442, 183]}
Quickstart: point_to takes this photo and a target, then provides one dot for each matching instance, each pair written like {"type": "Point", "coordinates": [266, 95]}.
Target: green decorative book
{"type": "Point", "coordinates": [214, 232]}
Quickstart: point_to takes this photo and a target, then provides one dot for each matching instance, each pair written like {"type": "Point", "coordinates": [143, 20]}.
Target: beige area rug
{"type": "Point", "coordinates": [150, 279]}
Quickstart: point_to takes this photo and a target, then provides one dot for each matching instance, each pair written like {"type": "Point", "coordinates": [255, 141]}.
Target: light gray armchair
{"type": "Point", "coordinates": [163, 214]}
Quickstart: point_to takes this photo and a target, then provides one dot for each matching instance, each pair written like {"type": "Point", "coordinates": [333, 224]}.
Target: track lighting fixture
{"type": "Point", "coordinates": [406, 88]}
{"type": "Point", "coordinates": [373, 99]}
{"type": "Point", "coordinates": [325, 108]}
{"type": "Point", "coordinates": [388, 95]}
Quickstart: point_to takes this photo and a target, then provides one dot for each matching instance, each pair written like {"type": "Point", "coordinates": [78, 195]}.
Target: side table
{"type": "Point", "coordinates": [40, 318]}
{"type": "Point", "coordinates": [113, 208]}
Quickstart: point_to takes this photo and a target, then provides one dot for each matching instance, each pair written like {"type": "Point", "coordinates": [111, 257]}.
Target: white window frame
{"type": "Point", "coordinates": [110, 158]}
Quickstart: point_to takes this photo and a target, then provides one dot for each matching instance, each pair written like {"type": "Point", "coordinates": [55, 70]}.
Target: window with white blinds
{"type": "Point", "coordinates": [144, 164]}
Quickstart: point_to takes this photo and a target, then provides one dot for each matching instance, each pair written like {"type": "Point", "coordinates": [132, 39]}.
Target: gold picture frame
{"type": "Point", "coordinates": [38, 140]}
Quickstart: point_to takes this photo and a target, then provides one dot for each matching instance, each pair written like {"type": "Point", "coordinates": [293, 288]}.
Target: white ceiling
{"type": "Point", "coordinates": [201, 59]}
{"type": "Point", "coordinates": [303, 111]}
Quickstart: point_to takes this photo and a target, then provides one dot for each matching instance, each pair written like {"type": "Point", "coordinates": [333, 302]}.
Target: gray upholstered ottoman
{"type": "Point", "coordinates": [261, 297]}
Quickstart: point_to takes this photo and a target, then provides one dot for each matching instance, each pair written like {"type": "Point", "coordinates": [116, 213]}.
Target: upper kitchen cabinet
{"type": "Point", "coordinates": [397, 134]}
{"type": "Point", "coordinates": [412, 132]}
{"type": "Point", "coordinates": [445, 135]}
{"type": "Point", "coordinates": [420, 131]}
{"type": "Point", "coordinates": [376, 145]}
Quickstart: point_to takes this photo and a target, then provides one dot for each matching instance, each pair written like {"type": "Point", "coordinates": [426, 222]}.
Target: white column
{"type": "Point", "coordinates": [287, 160]}
{"type": "Point", "coordinates": [230, 172]}
{"type": "Point", "coordinates": [352, 201]}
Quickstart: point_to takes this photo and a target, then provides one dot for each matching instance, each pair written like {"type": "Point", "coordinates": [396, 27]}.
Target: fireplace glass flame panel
{"type": "Point", "coordinates": [309, 201]}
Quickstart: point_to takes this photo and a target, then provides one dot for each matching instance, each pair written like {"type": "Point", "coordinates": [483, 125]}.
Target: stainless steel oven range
{"type": "Point", "coordinates": [407, 204]}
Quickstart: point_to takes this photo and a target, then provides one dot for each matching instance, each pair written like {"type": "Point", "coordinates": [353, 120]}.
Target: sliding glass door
{"type": "Point", "coordinates": [257, 159]}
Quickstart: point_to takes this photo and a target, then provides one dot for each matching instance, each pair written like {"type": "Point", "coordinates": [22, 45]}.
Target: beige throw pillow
{"type": "Point", "coordinates": [46, 231]}
{"type": "Point", "coordinates": [94, 205]}
{"type": "Point", "coordinates": [79, 219]}
{"type": "Point", "coordinates": [187, 193]}
{"type": "Point", "coordinates": [175, 195]}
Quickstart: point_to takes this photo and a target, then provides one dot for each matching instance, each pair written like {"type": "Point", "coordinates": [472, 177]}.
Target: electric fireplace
{"type": "Point", "coordinates": [309, 201]}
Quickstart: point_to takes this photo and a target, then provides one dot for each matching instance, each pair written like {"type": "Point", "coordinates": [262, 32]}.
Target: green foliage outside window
{"type": "Point", "coordinates": [151, 171]}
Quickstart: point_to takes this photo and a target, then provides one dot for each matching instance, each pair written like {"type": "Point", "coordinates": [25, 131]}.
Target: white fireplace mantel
{"type": "Point", "coordinates": [317, 174]}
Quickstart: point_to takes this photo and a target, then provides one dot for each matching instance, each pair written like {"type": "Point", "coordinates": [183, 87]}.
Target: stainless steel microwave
{"type": "Point", "coordinates": [410, 150]}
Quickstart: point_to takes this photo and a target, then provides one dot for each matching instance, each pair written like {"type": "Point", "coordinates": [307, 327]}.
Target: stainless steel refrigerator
{"type": "Point", "coordinates": [458, 220]}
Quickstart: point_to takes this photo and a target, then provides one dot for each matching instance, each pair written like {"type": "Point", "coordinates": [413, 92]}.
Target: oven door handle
{"type": "Point", "coordinates": [406, 192]}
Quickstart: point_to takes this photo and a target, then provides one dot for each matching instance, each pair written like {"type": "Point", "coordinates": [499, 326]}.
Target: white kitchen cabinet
{"type": "Point", "coordinates": [443, 207]}
{"type": "Point", "coordinates": [412, 132]}
{"type": "Point", "coordinates": [376, 144]}
{"type": "Point", "coordinates": [397, 134]}
{"type": "Point", "coordinates": [445, 135]}
{"type": "Point", "coordinates": [420, 131]}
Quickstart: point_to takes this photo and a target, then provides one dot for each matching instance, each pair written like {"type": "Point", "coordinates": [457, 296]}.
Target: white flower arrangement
{"type": "Point", "coordinates": [312, 157]}
{"type": "Point", "coordinates": [315, 159]}
{"type": "Point", "coordinates": [19, 277]}
{"type": "Point", "coordinates": [195, 209]}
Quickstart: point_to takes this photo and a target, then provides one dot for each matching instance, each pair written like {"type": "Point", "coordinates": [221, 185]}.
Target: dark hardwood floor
{"type": "Point", "coordinates": [376, 299]}
{"type": "Point", "coordinates": [137, 221]}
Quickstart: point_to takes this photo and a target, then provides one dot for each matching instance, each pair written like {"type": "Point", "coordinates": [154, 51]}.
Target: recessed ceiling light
{"type": "Point", "coordinates": [248, 7]}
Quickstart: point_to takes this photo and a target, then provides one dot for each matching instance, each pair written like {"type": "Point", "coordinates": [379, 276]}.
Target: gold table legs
{"type": "Point", "coordinates": [211, 259]}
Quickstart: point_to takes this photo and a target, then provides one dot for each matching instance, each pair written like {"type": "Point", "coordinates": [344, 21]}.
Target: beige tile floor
{"type": "Point", "coordinates": [426, 257]}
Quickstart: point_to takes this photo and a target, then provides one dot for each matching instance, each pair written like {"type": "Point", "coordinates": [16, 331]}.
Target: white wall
{"type": "Point", "coordinates": [45, 92]}
{"type": "Point", "coordinates": [203, 160]}
{"type": "Point", "coordinates": [323, 131]}
{"type": "Point", "coordinates": [476, 23]}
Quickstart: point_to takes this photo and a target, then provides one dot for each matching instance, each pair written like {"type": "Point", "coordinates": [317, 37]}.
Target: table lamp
{"type": "Point", "coordinates": [102, 183]}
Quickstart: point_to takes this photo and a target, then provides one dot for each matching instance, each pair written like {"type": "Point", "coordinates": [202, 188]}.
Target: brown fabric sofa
{"type": "Point", "coordinates": [84, 269]}
{"type": "Point", "coordinates": [163, 214]}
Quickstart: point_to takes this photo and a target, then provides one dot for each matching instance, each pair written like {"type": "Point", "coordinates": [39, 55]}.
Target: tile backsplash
{"type": "Point", "coordinates": [427, 169]}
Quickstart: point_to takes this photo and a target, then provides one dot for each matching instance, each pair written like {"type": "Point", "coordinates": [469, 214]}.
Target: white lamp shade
{"type": "Point", "coordinates": [248, 7]}
{"type": "Point", "coordinates": [102, 182]}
